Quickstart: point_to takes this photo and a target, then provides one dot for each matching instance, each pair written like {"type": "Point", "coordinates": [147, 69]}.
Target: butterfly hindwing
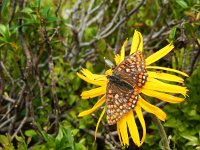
{"type": "Point", "coordinates": [119, 101]}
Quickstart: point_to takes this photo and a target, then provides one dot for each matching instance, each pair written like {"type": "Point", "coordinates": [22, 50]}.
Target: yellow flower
{"type": "Point", "coordinates": [157, 85]}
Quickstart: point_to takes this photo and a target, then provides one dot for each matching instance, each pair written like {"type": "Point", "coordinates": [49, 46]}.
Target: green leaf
{"type": "Point", "coordinates": [19, 138]}
{"type": "Point", "coordinates": [30, 133]}
{"type": "Point", "coordinates": [2, 29]}
{"type": "Point", "coordinates": [4, 6]}
{"type": "Point", "coordinates": [182, 3]}
{"type": "Point", "coordinates": [5, 32]}
{"type": "Point", "coordinates": [190, 138]}
{"type": "Point", "coordinates": [73, 99]}
{"type": "Point", "coordinates": [101, 45]}
{"type": "Point", "coordinates": [3, 40]}
{"type": "Point", "coordinates": [21, 146]}
{"type": "Point", "coordinates": [79, 146]}
{"type": "Point", "coordinates": [28, 140]}
{"type": "Point", "coordinates": [194, 141]}
{"type": "Point", "coordinates": [170, 123]}
{"type": "Point", "coordinates": [51, 19]}
{"type": "Point", "coordinates": [75, 131]}
{"type": "Point", "coordinates": [48, 138]}
{"type": "Point", "coordinates": [60, 134]}
{"type": "Point", "coordinates": [6, 142]}
{"type": "Point", "coordinates": [45, 11]}
{"type": "Point", "coordinates": [64, 138]}
{"type": "Point", "coordinates": [172, 34]}
{"type": "Point", "coordinates": [76, 83]}
{"type": "Point", "coordinates": [27, 10]}
{"type": "Point", "coordinates": [37, 3]}
{"type": "Point", "coordinates": [82, 141]}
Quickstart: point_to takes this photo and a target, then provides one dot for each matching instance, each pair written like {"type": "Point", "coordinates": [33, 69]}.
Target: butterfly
{"type": "Point", "coordinates": [123, 87]}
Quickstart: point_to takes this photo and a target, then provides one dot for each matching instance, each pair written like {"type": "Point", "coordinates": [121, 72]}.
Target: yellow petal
{"type": "Point", "coordinates": [159, 54]}
{"type": "Point", "coordinates": [167, 69]}
{"type": "Point", "coordinates": [133, 128]}
{"type": "Point", "coordinates": [165, 76]}
{"type": "Point", "coordinates": [108, 72]}
{"type": "Point", "coordinates": [103, 112]}
{"type": "Point", "coordinates": [152, 109]}
{"type": "Point", "coordinates": [162, 96]}
{"type": "Point", "coordinates": [97, 105]}
{"type": "Point", "coordinates": [137, 43]}
{"type": "Point", "coordinates": [153, 84]}
{"type": "Point", "coordinates": [123, 130]}
{"type": "Point", "coordinates": [122, 55]}
{"type": "Point", "coordinates": [95, 82]}
{"type": "Point", "coordinates": [92, 76]}
{"type": "Point", "coordinates": [141, 119]}
{"type": "Point", "coordinates": [119, 134]}
{"type": "Point", "coordinates": [141, 42]}
{"type": "Point", "coordinates": [117, 59]}
{"type": "Point", "coordinates": [93, 93]}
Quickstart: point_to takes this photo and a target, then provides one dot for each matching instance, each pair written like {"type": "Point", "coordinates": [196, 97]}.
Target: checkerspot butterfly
{"type": "Point", "coordinates": [122, 88]}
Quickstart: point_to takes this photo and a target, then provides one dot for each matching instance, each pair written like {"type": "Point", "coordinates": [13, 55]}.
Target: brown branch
{"type": "Point", "coordinates": [26, 95]}
{"type": "Point", "coordinates": [123, 19]}
{"type": "Point", "coordinates": [13, 8]}
{"type": "Point", "coordinates": [1, 80]}
{"type": "Point", "coordinates": [195, 60]}
{"type": "Point", "coordinates": [51, 70]}
{"type": "Point", "coordinates": [7, 98]}
{"type": "Point", "coordinates": [23, 41]}
{"type": "Point", "coordinates": [58, 7]}
{"type": "Point", "coordinates": [157, 19]}
{"type": "Point", "coordinates": [110, 28]}
{"type": "Point", "coordinates": [4, 123]}
{"type": "Point", "coordinates": [3, 69]}
{"type": "Point", "coordinates": [15, 105]}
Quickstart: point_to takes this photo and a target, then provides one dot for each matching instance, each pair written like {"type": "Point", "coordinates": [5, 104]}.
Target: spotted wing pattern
{"type": "Point", "coordinates": [122, 89]}
{"type": "Point", "coordinates": [119, 101]}
{"type": "Point", "coordinates": [132, 69]}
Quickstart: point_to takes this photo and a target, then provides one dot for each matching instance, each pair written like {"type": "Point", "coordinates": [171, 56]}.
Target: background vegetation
{"type": "Point", "coordinates": [44, 43]}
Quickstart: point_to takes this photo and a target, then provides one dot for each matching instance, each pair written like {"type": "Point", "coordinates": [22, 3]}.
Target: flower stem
{"type": "Point", "coordinates": [162, 132]}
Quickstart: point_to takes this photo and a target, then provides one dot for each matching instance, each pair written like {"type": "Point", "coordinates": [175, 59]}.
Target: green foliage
{"type": "Point", "coordinates": [64, 140]}
{"type": "Point", "coordinates": [5, 140]}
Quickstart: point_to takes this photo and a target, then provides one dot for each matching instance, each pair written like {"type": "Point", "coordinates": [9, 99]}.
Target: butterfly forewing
{"type": "Point", "coordinates": [122, 89]}
{"type": "Point", "coordinates": [132, 69]}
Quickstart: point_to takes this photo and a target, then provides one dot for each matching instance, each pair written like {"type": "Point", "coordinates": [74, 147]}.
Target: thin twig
{"type": "Point", "coordinates": [103, 34]}
{"type": "Point", "coordinates": [51, 70]}
{"type": "Point", "coordinates": [23, 41]}
{"type": "Point", "coordinates": [157, 19]}
{"type": "Point", "coordinates": [123, 19]}
{"type": "Point", "coordinates": [8, 99]}
{"type": "Point", "coordinates": [108, 27]}
{"type": "Point", "coordinates": [25, 117]}
{"type": "Point", "coordinates": [197, 56]}
{"type": "Point", "coordinates": [13, 8]}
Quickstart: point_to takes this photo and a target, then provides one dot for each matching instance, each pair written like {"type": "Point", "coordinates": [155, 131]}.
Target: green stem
{"type": "Point", "coordinates": [162, 132]}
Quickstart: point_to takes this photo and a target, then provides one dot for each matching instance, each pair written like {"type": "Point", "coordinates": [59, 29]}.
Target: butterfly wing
{"type": "Point", "coordinates": [119, 101]}
{"type": "Point", "coordinates": [120, 96]}
{"type": "Point", "coordinates": [132, 70]}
